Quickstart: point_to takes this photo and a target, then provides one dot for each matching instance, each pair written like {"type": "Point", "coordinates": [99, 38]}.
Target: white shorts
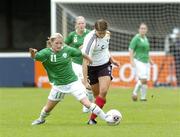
{"type": "Point", "coordinates": [142, 69]}
{"type": "Point", "coordinates": [76, 88]}
{"type": "Point", "coordinates": [78, 70]}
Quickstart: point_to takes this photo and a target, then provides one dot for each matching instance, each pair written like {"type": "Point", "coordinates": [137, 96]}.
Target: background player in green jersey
{"type": "Point", "coordinates": [139, 58]}
{"type": "Point", "coordinates": [75, 39]}
{"type": "Point", "coordinates": [56, 59]}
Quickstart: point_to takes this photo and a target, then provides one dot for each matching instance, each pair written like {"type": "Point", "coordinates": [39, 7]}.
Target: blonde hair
{"type": "Point", "coordinates": [79, 18]}
{"type": "Point", "coordinates": [52, 38]}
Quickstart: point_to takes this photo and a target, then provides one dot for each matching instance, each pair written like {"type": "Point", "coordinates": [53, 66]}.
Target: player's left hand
{"type": "Point", "coordinates": [116, 63]}
{"type": "Point", "coordinates": [151, 62]}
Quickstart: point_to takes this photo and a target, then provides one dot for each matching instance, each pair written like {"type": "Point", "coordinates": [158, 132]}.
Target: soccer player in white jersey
{"type": "Point", "coordinates": [139, 58]}
{"type": "Point", "coordinates": [56, 59]}
{"type": "Point", "coordinates": [98, 73]}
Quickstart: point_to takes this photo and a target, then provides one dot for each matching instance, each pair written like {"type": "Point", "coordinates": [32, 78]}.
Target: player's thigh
{"type": "Point", "coordinates": [56, 94]}
{"type": "Point", "coordinates": [104, 83]}
{"type": "Point", "coordinates": [95, 89]}
{"type": "Point", "coordinates": [104, 78]}
{"type": "Point", "coordinates": [93, 75]}
{"type": "Point", "coordinates": [78, 90]}
{"type": "Point", "coordinates": [141, 69]}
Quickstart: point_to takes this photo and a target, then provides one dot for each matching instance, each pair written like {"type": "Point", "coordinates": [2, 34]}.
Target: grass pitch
{"type": "Point", "coordinates": [158, 117]}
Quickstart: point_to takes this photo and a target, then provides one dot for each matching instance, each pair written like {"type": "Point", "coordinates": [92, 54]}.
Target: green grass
{"type": "Point", "coordinates": [158, 117]}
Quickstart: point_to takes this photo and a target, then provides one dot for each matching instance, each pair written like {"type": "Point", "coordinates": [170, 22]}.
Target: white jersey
{"type": "Point", "coordinates": [97, 48]}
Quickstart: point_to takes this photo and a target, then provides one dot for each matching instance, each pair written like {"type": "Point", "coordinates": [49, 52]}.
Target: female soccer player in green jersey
{"type": "Point", "coordinates": [140, 59]}
{"type": "Point", "coordinates": [56, 59]}
{"type": "Point", "coordinates": [75, 39]}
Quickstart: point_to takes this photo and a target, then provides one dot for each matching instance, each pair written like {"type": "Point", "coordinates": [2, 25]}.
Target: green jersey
{"type": "Point", "coordinates": [58, 65]}
{"type": "Point", "coordinates": [74, 40]}
{"type": "Point", "coordinates": [140, 47]}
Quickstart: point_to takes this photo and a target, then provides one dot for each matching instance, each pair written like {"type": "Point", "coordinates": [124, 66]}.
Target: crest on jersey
{"type": "Point", "coordinates": [64, 55]}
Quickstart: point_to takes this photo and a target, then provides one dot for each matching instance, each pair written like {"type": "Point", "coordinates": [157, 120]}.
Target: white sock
{"type": "Point", "coordinates": [98, 111]}
{"type": "Point", "coordinates": [137, 86]}
{"type": "Point", "coordinates": [90, 95]}
{"type": "Point", "coordinates": [143, 91]}
{"type": "Point", "coordinates": [43, 114]}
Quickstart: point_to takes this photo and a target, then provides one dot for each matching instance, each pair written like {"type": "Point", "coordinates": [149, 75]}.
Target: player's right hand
{"type": "Point", "coordinates": [32, 52]}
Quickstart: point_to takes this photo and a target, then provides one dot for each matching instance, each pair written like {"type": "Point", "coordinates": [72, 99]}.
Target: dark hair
{"type": "Point", "coordinates": [101, 25]}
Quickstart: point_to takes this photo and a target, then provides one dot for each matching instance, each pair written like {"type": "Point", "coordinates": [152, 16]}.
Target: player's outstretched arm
{"type": "Point", "coordinates": [131, 55]}
{"type": "Point", "coordinates": [32, 52]}
{"type": "Point", "coordinates": [85, 73]}
{"type": "Point", "coordinates": [151, 61]}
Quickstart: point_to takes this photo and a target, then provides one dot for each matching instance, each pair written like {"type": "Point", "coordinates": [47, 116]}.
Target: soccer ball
{"type": "Point", "coordinates": [114, 117]}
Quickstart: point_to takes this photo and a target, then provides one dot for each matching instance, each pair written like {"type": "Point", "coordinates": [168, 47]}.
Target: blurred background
{"type": "Point", "coordinates": [24, 24]}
